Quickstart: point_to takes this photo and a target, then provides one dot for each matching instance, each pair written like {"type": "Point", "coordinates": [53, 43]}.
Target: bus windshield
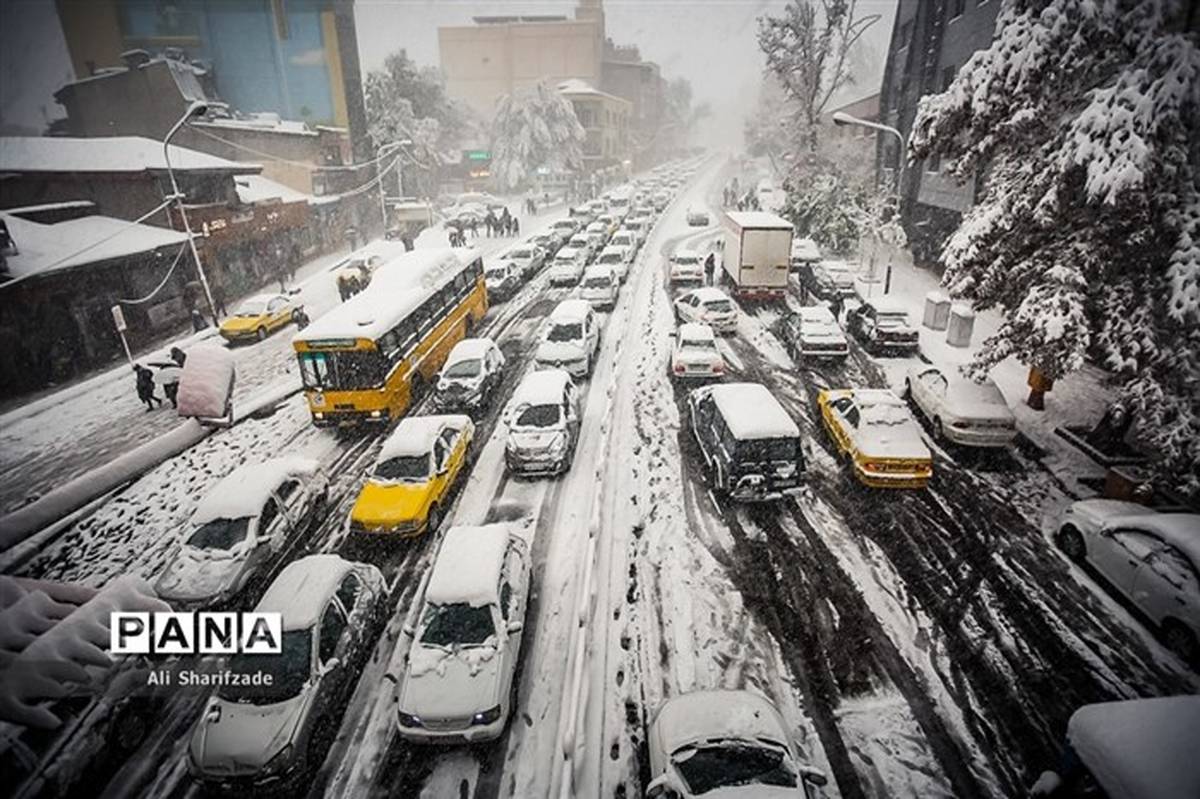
{"type": "Point", "coordinates": [342, 370]}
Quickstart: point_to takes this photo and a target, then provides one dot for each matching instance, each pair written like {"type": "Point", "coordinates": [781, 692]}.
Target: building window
{"type": "Point", "coordinates": [957, 7]}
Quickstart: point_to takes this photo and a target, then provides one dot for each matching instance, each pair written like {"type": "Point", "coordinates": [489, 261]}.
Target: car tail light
{"type": "Point", "coordinates": [680, 368]}
{"type": "Point", "coordinates": [719, 367]}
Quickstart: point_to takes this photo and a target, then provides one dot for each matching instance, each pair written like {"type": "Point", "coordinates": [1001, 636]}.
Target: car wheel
{"type": "Point", "coordinates": [261, 333]}
{"type": "Point", "coordinates": [1070, 541]}
{"type": "Point", "coordinates": [433, 519]}
{"type": "Point", "coordinates": [1180, 640]}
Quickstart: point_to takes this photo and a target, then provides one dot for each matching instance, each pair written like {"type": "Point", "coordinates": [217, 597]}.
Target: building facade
{"type": "Point", "coordinates": [931, 40]}
{"type": "Point", "coordinates": [625, 74]}
{"type": "Point", "coordinates": [297, 59]}
{"type": "Point", "coordinates": [606, 121]}
{"type": "Point", "coordinates": [498, 55]}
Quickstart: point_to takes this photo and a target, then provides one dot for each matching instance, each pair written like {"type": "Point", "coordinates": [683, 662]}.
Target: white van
{"type": "Point", "coordinates": [543, 424]}
{"type": "Point", "coordinates": [571, 339]}
{"type": "Point", "coordinates": [600, 287]}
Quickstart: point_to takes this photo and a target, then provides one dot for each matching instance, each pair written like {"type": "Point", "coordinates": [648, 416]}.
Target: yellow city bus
{"type": "Point", "coordinates": [364, 361]}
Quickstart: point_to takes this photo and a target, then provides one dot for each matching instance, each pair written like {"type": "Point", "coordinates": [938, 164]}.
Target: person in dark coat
{"type": "Point", "coordinates": [145, 386]}
{"type": "Point", "coordinates": [218, 298]}
{"type": "Point", "coordinates": [835, 307]}
{"type": "Point", "coordinates": [198, 320]}
{"type": "Point", "coordinates": [710, 266]}
{"type": "Point", "coordinates": [516, 227]}
{"type": "Point", "coordinates": [178, 356]}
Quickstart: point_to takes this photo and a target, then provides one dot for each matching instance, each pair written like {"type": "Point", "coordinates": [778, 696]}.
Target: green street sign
{"type": "Point", "coordinates": [479, 155]}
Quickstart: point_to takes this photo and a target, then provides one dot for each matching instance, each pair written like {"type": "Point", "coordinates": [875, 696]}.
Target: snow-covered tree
{"type": "Point", "coordinates": [534, 127]}
{"type": "Point", "coordinates": [404, 101]}
{"type": "Point", "coordinates": [1083, 117]}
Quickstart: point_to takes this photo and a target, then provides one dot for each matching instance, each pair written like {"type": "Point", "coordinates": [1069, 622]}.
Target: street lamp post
{"type": "Point", "coordinates": [197, 108]}
{"type": "Point", "coordinates": [841, 119]}
{"type": "Point", "coordinates": [399, 178]}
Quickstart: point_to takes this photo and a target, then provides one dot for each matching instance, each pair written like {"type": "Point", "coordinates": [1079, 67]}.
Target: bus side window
{"type": "Point", "coordinates": [389, 343]}
{"type": "Point", "coordinates": [476, 269]}
{"type": "Point", "coordinates": [406, 336]}
{"type": "Point", "coordinates": [421, 317]}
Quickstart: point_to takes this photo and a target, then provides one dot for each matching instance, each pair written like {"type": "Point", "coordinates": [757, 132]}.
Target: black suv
{"type": "Point", "coordinates": [751, 447]}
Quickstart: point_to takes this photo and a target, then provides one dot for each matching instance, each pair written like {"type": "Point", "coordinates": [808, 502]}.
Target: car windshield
{"type": "Point", "coordinates": [538, 416]}
{"type": "Point", "coordinates": [729, 764]}
{"type": "Point", "coordinates": [687, 260]}
{"type": "Point", "coordinates": [342, 370]}
{"type": "Point", "coordinates": [597, 282]}
{"type": "Point", "coordinates": [610, 258]}
{"type": "Point", "coordinates": [465, 368]}
{"type": "Point", "coordinates": [289, 670]}
{"type": "Point", "coordinates": [403, 467]}
{"type": "Point", "coordinates": [457, 624]}
{"type": "Point", "coordinates": [220, 533]}
{"type": "Point", "coordinates": [893, 320]}
{"type": "Point", "coordinates": [252, 308]}
{"type": "Point", "coordinates": [520, 254]}
{"type": "Point", "coordinates": [697, 344]}
{"type": "Point", "coordinates": [496, 273]}
{"type": "Point", "coordinates": [719, 306]}
{"type": "Point", "coordinates": [767, 449]}
{"type": "Point", "coordinates": [818, 324]}
{"type": "Point", "coordinates": [565, 331]}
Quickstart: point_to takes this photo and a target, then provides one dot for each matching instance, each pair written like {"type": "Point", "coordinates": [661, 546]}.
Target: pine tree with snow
{"type": "Point", "coordinates": [534, 127]}
{"type": "Point", "coordinates": [1083, 119]}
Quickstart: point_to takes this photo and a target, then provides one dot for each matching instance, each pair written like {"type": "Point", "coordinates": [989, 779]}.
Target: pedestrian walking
{"type": "Point", "coordinates": [145, 386]}
{"type": "Point", "coordinates": [710, 266]}
{"type": "Point", "coordinates": [516, 227]}
{"type": "Point", "coordinates": [178, 356]}
{"type": "Point", "coordinates": [218, 298]}
{"type": "Point", "coordinates": [835, 307]}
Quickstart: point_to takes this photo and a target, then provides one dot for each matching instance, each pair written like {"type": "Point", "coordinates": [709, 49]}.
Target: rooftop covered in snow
{"type": "Point", "coordinates": [113, 154]}
{"type": "Point", "coordinates": [752, 412]}
{"type": "Point", "coordinates": [73, 243]}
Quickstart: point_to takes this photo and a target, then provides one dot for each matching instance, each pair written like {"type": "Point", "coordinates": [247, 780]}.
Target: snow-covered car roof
{"type": "Point", "coordinates": [598, 270]}
{"type": "Point", "coordinates": [245, 490]}
{"type": "Point", "coordinates": [613, 249]}
{"type": "Point", "coordinates": [752, 412]}
{"type": "Point", "coordinates": [303, 588]}
{"type": "Point", "coordinates": [414, 436]}
{"type": "Point", "coordinates": [694, 331]}
{"type": "Point", "coordinates": [712, 715]}
{"type": "Point", "coordinates": [566, 254]}
{"type": "Point", "coordinates": [1180, 530]}
{"type": "Point", "coordinates": [870, 397]}
{"type": "Point", "coordinates": [817, 313]}
{"type": "Point", "coordinates": [470, 349]}
{"type": "Point", "coordinates": [708, 294]}
{"type": "Point", "coordinates": [1140, 748]}
{"type": "Point", "coordinates": [468, 565]}
{"type": "Point", "coordinates": [543, 387]}
{"type": "Point", "coordinates": [570, 311]}
{"type": "Point", "coordinates": [805, 249]}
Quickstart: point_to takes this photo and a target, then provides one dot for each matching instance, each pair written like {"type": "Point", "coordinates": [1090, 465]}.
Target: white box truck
{"type": "Point", "coordinates": [757, 253]}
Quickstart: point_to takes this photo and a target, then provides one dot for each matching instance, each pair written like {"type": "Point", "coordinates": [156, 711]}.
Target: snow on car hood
{"type": "Point", "coordinates": [247, 736]}
{"type": "Point", "coordinates": [559, 351]}
{"type": "Point", "coordinates": [534, 438]}
{"type": "Point", "coordinates": [196, 574]}
{"type": "Point", "coordinates": [444, 683]}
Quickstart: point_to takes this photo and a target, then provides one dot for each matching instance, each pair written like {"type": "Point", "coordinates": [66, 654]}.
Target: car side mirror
{"type": "Point", "coordinates": [515, 627]}
{"type": "Point", "coordinates": [663, 787]}
{"type": "Point", "coordinates": [814, 776]}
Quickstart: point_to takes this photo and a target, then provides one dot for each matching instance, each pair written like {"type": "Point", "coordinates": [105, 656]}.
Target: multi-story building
{"type": "Point", "coordinates": [931, 40]}
{"type": "Point", "coordinates": [500, 54]}
{"type": "Point", "coordinates": [625, 74]}
{"type": "Point", "coordinates": [297, 59]}
{"type": "Point", "coordinates": [606, 121]}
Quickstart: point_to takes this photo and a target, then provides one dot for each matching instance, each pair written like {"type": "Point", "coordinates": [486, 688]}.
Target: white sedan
{"type": "Point", "coordinates": [695, 355]}
{"type": "Point", "coordinates": [697, 217]}
{"type": "Point", "coordinates": [239, 529]}
{"type": "Point", "coordinates": [961, 410]}
{"type": "Point", "coordinates": [708, 306]}
{"type": "Point", "coordinates": [1152, 558]}
{"type": "Point", "coordinates": [687, 266]}
{"type": "Point", "coordinates": [726, 743]}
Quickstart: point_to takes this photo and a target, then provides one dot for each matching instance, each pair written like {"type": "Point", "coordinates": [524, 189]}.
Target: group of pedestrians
{"type": "Point", "coordinates": [170, 382]}
{"type": "Point", "coordinates": [505, 224]}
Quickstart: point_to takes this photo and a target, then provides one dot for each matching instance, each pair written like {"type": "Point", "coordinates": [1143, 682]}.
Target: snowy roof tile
{"type": "Point", "coordinates": [256, 188]}
{"type": "Point", "coordinates": [106, 155]}
{"type": "Point", "coordinates": [77, 242]}
{"type": "Point", "coordinates": [468, 566]}
{"type": "Point", "coordinates": [303, 588]}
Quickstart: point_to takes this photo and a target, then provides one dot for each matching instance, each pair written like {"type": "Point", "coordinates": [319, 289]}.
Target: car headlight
{"type": "Point", "coordinates": [487, 716]}
{"type": "Point", "coordinates": [410, 720]}
{"type": "Point", "coordinates": [280, 761]}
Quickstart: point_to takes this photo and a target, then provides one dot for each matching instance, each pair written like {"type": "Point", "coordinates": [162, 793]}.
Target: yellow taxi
{"type": "Point", "coordinates": [258, 316]}
{"type": "Point", "coordinates": [414, 475]}
{"type": "Point", "coordinates": [877, 432]}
